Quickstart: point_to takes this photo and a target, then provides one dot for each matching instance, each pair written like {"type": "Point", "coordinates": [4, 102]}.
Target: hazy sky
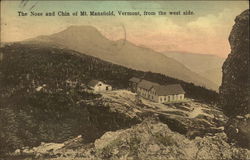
{"type": "Point", "coordinates": [205, 32]}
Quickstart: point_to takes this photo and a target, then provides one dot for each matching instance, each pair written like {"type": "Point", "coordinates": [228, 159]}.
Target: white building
{"type": "Point", "coordinates": [99, 86]}
{"type": "Point", "coordinates": [160, 93]}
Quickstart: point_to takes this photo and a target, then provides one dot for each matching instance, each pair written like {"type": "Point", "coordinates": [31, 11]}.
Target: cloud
{"type": "Point", "coordinates": [207, 34]}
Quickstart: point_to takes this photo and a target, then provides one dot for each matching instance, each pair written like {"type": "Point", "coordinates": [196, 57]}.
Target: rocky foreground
{"type": "Point", "coordinates": [148, 140]}
{"type": "Point", "coordinates": [196, 133]}
{"type": "Point", "coordinates": [190, 117]}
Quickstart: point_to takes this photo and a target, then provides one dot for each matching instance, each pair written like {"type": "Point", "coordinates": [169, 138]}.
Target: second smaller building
{"type": "Point", "coordinates": [99, 86]}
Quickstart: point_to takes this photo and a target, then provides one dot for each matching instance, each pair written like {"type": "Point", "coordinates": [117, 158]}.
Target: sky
{"type": "Point", "coordinates": [205, 32]}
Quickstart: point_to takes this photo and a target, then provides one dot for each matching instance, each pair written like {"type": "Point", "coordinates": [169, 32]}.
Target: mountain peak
{"type": "Point", "coordinates": [80, 33]}
{"type": "Point", "coordinates": [87, 39]}
{"type": "Point", "coordinates": [81, 28]}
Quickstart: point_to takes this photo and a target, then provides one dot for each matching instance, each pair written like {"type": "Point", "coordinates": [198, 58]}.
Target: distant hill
{"type": "Point", "coordinates": [208, 66]}
{"type": "Point", "coordinates": [89, 40]}
{"type": "Point", "coordinates": [214, 74]}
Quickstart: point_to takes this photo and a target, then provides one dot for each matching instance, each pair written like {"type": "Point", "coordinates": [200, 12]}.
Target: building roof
{"type": "Point", "coordinates": [134, 79]}
{"type": "Point", "coordinates": [169, 89]}
{"type": "Point", "coordinates": [92, 83]}
{"type": "Point", "coordinates": [146, 84]}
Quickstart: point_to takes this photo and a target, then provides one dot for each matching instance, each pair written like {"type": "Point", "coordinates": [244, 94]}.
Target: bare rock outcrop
{"type": "Point", "coordinates": [235, 88]}
{"type": "Point", "coordinates": [148, 140]}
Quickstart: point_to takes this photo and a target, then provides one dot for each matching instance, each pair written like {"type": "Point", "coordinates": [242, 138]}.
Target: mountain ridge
{"type": "Point", "coordinates": [87, 39]}
{"type": "Point", "coordinates": [206, 65]}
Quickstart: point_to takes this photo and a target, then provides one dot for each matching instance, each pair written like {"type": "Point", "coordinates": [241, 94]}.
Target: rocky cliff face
{"type": "Point", "coordinates": [235, 82]}
{"type": "Point", "coordinates": [235, 86]}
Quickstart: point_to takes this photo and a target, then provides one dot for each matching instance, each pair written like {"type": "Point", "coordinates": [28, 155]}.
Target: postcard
{"type": "Point", "coordinates": [124, 80]}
